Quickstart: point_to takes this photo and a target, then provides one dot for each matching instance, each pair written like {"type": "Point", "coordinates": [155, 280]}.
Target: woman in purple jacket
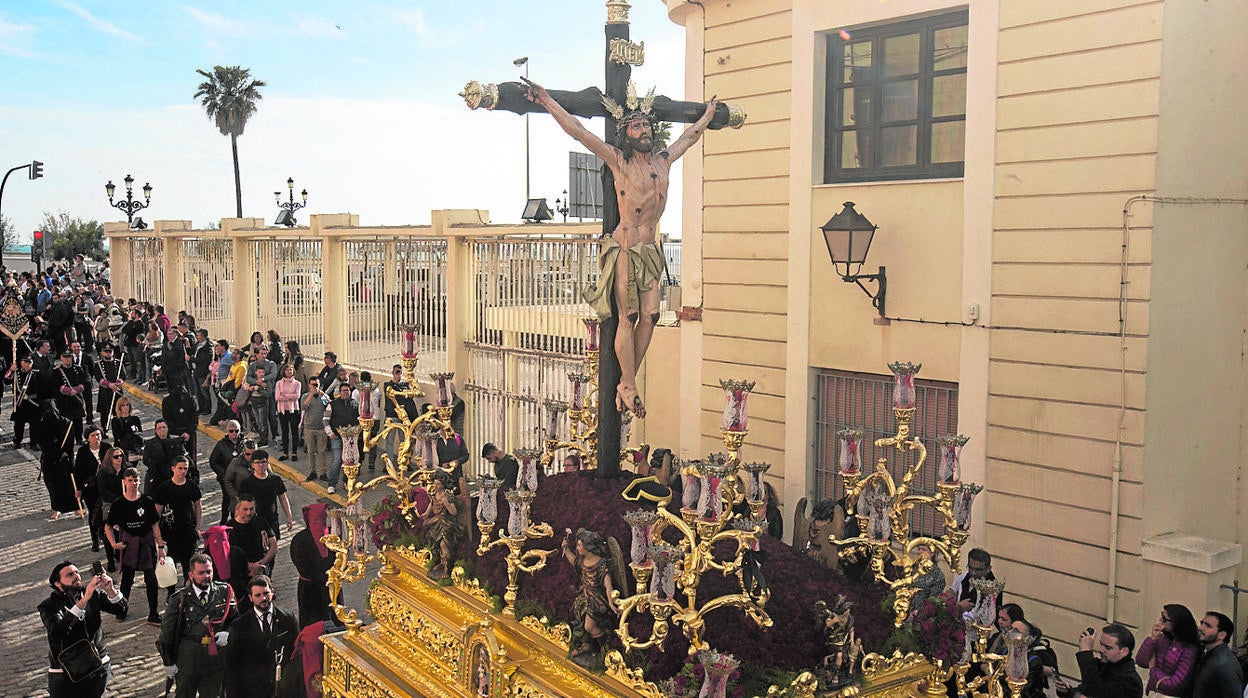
{"type": "Point", "coordinates": [1170, 652]}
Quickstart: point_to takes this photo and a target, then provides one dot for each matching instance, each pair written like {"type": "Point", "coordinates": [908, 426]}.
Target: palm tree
{"type": "Point", "coordinates": [229, 98]}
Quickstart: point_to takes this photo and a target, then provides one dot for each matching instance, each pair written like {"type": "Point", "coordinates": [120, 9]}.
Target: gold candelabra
{"type": "Point", "coordinates": [398, 474]}
{"type": "Point", "coordinates": [664, 572]}
{"type": "Point", "coordinates": [883, 507]}
{"type": "Point", "coordinates": [582, 412]}
{"type": "Point", "coordinates": [519, 531]}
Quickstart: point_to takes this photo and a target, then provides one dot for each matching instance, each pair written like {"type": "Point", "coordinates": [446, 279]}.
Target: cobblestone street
{"type": "Point", "coordinates": [30, 546]}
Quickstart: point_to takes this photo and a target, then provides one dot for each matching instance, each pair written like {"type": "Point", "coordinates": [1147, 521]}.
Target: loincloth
{"type": "Point", "coordinates": [646, 266]}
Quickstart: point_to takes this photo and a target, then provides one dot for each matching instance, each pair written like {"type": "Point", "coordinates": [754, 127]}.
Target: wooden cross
{"type": "Point", "coordinates": [621, 56]}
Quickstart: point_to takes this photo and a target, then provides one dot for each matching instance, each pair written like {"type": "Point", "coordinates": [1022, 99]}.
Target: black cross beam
{"type": "Point", "coordinates": [512, 97]}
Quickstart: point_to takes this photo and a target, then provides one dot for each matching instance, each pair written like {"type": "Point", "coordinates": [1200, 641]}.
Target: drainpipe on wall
{"type": "Point", "coordinates": [1111, 594]}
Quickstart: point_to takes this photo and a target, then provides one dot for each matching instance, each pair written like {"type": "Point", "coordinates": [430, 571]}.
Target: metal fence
{"type": "Point", "coordinates": [147, 269]}
{"type": "Point", "coordinates": [392, 283]}
{"type": "Point", "coordinates": [865, 401]}
{"type": "Point", "coordinates": [290, 291]}
{"type": "Point", "coordinates": [527, 334]}
{"type": "Point", "coordinates": [208, 276]}
{"type": "Point", "coordinates": [671, 254]}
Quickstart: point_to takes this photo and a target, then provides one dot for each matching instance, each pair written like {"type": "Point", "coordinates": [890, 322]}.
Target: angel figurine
{"type": "Point", "coordinates": [442, 524]}
{"type": "Point", "coordinates": [601, 567]}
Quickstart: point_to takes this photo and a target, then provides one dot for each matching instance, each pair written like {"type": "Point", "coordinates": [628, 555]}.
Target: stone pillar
{"type": "Point", "coordinates": [334, 281]}
{"type": "Point", "coordinates": [175, 283]}
{"type": "Point", "coordinates": [120, 257]}
{"type": "Point", "coordinates": [1187, 569]}
{"type": "Point", "coordinates": [245, 320]}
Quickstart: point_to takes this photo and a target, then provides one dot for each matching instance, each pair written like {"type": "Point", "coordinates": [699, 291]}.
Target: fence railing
{"type": "Point", "coordinates": [500, 306]}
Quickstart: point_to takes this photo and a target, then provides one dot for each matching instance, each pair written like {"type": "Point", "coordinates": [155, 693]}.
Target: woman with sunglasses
{"type": "Point", "coordinates": [1170, 652]}
{"type": "Point", "coordinates": [108, 490]}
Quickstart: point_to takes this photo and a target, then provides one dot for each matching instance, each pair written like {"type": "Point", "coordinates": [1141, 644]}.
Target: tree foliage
{"type": "Point", "coordinates": [71, 235]}
{"type": "Point", "coordinates": [8, 236]}
{"type": "Point", "coordinates": [229, 97]}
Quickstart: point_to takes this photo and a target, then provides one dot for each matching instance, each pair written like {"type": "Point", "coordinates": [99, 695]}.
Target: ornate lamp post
{"type": "Point", "coordinates": [287, 216]}
{"type": "Point", "coordinates": [131, 205]}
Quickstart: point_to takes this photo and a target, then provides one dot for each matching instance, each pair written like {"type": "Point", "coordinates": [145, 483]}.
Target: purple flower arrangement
{"type": "Point", "coordinates": [938, 630]}
{"type": "Point", "coordinates": [793, 643]}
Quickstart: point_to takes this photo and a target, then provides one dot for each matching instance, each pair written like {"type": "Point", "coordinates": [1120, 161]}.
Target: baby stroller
{"type": "Point", "coordinates": [156, 376]}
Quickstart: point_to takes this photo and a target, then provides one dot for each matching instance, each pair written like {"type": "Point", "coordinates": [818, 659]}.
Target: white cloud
{"type": "Point", "coordinates": [15, 39]}
{"type": "Point", "coordinates": [101, 25]}
{"type": "Point", "coordinates": [217, 23]}
{"type": "Point", "coordinates": [315, 26]}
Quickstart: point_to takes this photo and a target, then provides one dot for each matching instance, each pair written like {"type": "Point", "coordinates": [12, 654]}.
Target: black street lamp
{"type": "Point", "coordinates": [848, 236]}
{"type": "Point", "coordinates": [287, 216]}
{"type": "Point", "coordinates": [563, 206]}
{"type": "Point", "coordinates": [131, 205]}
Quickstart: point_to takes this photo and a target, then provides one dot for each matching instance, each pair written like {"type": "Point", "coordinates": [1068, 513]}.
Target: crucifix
{"type": "Point", "coordinates": [633, 262]}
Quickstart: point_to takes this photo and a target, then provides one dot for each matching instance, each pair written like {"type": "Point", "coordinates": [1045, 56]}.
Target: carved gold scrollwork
{"type": "Point", "coordinates": [633, 678]}
{"type": "Point", "coordinates": [736, 116]}
{"type": "Point", "coordinates": [560, 635]}
{"type": "Point", "coordinates": [625, 52]}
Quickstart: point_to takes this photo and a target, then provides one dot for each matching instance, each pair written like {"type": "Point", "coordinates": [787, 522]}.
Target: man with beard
{"type": "Point", "coordinates": [195, 628]}
{"type": "Point", "coordinates": [252, 547]}
{"type": "Point", "coordinates": [72, 614]}
{"type": "Point", "coordinates": [69, 383]}
{"type": "Point", "coordinates": [632, 263]}
{"type": "Point", "coordinates": [111, 375]}
{"type": "Point", "coordinates": [260, 642]}
{"type": "Point", "coordinates": [1218, 673]}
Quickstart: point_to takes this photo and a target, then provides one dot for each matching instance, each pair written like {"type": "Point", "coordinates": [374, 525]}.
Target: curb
{"type": "Point", "coordinates": [279, 467]}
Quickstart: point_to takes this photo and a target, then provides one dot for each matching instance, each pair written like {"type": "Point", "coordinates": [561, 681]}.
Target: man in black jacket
{"type": "Point", "coordinates": [1113, 675]}
{"type": "Point", "coordinates": [70, 614]}
{"type": "Point", "coordinates": [201, 358]}
{"type": "Point", "coordinates": [261, 641]}
{"type": "Point", "coordinates": [1218, 674]}
{"type": "Point", "coordinates": [226, 450]}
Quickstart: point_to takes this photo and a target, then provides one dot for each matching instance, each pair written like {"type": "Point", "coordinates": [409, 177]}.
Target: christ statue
{"type": "Point", "coordinates": [632, 262]}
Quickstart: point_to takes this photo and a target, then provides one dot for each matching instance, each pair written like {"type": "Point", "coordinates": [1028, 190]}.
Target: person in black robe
{"type": "Point", "coordinates": [56, 460]}
{"type": "Point", "coordinates": [313, 561]}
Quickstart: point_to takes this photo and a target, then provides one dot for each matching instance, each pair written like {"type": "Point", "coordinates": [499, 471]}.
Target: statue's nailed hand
{"type": "Point", "coordinates": [535, 93]}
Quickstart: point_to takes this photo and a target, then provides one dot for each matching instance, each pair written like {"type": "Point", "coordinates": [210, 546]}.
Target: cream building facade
{"type": "Point", "coordinates": [1060, 193]}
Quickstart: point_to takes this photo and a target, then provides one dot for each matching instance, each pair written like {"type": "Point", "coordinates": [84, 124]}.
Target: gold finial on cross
{"type": "Point", "coordinates": [617, 11]}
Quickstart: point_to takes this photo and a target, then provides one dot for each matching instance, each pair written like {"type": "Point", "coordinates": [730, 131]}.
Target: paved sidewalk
{"type": "Point", "coordinates": [30, 546]}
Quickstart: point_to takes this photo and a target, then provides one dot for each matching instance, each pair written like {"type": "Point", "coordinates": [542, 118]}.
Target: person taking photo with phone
{"type": "Point", "coordinates": [78, 662]}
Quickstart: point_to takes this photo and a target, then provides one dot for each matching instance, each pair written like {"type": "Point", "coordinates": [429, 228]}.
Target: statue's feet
{"type": "Point", "coordinates": [627, 400]}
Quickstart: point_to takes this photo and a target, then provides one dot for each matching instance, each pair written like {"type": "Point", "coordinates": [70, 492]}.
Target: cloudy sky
{"type": "Point", "coordinates": [361, 106]}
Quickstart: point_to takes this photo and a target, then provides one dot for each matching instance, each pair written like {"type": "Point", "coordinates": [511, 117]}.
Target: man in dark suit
{"type": "Point", "coordinates": [260, 646]}
{"type": "Point", "coordinates": [195, 631]}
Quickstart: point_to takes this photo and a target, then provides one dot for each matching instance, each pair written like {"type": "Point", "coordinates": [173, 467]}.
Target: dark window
{"type": "Point", "coordinates": [897, 101]}
{"type": "Point", "coordinates": [864, 401]}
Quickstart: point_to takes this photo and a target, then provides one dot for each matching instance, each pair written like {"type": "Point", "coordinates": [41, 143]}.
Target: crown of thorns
{"type": "Point", "coordinates": [637, 108]}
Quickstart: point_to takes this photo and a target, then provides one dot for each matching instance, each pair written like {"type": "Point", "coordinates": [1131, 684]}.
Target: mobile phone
{"type": "Point", "coordinates": [97, 568]}
{"type": "Point", "coordinates": [1090, 631]}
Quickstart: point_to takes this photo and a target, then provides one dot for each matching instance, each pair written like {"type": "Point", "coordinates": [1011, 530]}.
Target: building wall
{"type": "Point", "coordinates": [1077, 120]}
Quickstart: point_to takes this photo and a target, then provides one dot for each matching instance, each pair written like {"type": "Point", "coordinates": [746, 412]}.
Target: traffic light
{"type": "Point", "coordinates": [36, 247]}
{"type": "Point", "coordinates": [36, 169]}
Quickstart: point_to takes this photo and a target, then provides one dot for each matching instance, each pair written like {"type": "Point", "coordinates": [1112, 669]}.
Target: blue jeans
{"type": "Point", "coordinates": [335, 461]}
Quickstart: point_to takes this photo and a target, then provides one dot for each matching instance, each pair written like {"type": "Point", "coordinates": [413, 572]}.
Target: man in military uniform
{"type": "Point", "coordinates": [195, 630]}
{"type": "Point", "coordinates": [69, 383]}
{"type": "Point", "coordinates": [26, 392]}
{"type": "Point", "coordinates": [111, 375]}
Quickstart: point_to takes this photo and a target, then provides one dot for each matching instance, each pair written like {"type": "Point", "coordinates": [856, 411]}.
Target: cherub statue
{"type": "Point", "coordinates": [600, 564]}
{"type": "Point", "coordinates": [442, 525]}
{"type": "Point", "coordinates": [839, 666]}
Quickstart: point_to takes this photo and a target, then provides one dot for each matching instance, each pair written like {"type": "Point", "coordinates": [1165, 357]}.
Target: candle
{"type": "Point", "coordinates": [554, 418]}
{"type": "Point", "coordinates": [487, 504]}
{"type": "Point", "coordinates": [408, 343]}
{"type": "Point", "coordinates": [579, 381]}
{"type": "Point", "coordinates": [951, 458]}
{"type": "Point", "coordinates": [527, 477]}
{"type": "Point", "coordinates": [366, 399]}
{"type": "Point", "coordinates": [443, 386]}
{"type": "Point", "coordinates": [903, 384]}
{"type": "Point", "coordinates": [851, 451]}
{"type": "Point", "coordinates": [591, 333]}
{"type": "Point", "coordinates": [641, 523]}
{"type": "Point", "coordinates": [735, 394]}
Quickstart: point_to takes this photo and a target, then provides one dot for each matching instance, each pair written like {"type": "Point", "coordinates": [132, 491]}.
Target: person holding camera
{"type": "Point", "coordinates": [1113, 674]}
{"type": "Point", "coordinates": [78, 663]}
{"type": "Point", "coordinates": [313, 417]}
